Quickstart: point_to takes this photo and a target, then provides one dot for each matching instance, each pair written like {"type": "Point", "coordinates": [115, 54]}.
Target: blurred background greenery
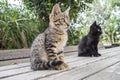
{"type": "Point", "coordinates": [20, 24]}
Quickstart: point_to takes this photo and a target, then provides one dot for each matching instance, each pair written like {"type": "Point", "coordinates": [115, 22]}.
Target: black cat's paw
{"type": "Point", "coordinates": [96, 55]}
{"type": "Point", "coordinates": [99, 54]}
{"type": "Point", "coordinates": [85, 55]}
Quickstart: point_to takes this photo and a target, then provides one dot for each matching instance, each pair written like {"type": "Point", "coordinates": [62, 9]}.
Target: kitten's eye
{"type": "Point", "coordinates": [56, 20]}
{"type": "Point", "coordinates": [98, 30]}
{"type": "Point", "coordinates": [62, 19]}
{"type": "Point", "coordinates": [66, 17]}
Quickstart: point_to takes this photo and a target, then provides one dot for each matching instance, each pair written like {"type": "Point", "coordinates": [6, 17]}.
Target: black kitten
{"type": "Point", "coordinates": [88, 44]}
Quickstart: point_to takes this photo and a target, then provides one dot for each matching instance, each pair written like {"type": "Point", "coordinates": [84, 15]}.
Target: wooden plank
{"type": "Point", "coordinates": [16, 61]}
{"type": "Point", "coordinates": [79, 73]}
{"type": "Point", "coordinates": [36, 74]}
{"type": "Point", "coordinates": [24, 53]}
{"type": "Point", "coordinates": [3, 69]}
{"type": "Point", "coordinates": [16, 71]}
{"type": "Point", "coordinates": [86, 60]}
{"type": "Point", "coordinates": [69, 49]}
{"type": "Point", "coordinates": [23, 60]}
{"type": "Point", "coordinates": [8, 73]}
{"type": "Point", "coordinates": [111, 73]}
{"type": "Point", "coordinates": [13, 62]}
{"type": "Point", "coordinates": [91, 60]}
{"type": "Point", "coordinates": [8, 67]}
{"type": "Point", "coordinates": [13, 54]}
{"type": "Point", "coordinates": [101, 46]}
{"type": "Point", "coordinates": [101, 51]}
{"type": "Point", "coordinates": [47, 73]}
{"type": "Point", "coordinates": [72, 54]}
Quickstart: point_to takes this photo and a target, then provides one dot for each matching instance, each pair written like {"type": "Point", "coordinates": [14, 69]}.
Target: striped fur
{"type": "Point", "coordinates": [47, 50]}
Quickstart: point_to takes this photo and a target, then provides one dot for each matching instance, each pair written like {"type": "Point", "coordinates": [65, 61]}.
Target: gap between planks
{"type": "Point", "coordinates": [73, 63]}
{"type": "Point", "coordinates": [111, 73]}
{"type": "Point", "coordinates": [15, 66]}
{"type": "Point", "coordinates": [51, 74]}
{"type": "Point", "coordinates": [66, 56]}
{"type": "Point", "coordinates": [80, 73]}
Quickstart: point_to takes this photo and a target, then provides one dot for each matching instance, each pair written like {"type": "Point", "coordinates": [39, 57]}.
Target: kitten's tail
{"type": "Point", "coordinates": [46, 65]}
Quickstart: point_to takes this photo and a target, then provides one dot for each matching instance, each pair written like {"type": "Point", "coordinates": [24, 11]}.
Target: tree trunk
{"type": "Point", "coordinates": [24, 39]}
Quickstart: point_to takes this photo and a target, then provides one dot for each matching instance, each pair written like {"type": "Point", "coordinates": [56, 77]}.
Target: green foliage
{"type": "Point", "coordinates": [76, 33]}
{"type": "Point", "coordinates": [20, 25]}
{"type": "Point", "coordinates": [43, 7]}
{"type": "Point", "coordinates": [17, 27]}
{"type": "Point", "coordinates": [105, 12]}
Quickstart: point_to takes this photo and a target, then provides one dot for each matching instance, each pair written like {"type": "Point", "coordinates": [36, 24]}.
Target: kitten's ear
{"type": "Point", "coordinates": [66, 12]}
{"type": "Point", "coordinates": [94, 23]}
{"type": "Point", "coordinates": [55, 10]}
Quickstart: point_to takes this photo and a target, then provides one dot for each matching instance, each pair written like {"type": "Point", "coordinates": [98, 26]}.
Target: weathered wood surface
{"type": "Point", "coordinates": [24, 53]}
{"type": "Point", "coordinates": [16, 56]}
{"type": "Point", "coordinates": [80, 68]}
{"type": "Point", "coordinates": [111, 73]}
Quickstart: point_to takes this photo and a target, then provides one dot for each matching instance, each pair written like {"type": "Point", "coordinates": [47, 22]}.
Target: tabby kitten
{"type": "Point", "coordinates": [88, 44]}
{"type": "Point", "coordinates": [47, 50]}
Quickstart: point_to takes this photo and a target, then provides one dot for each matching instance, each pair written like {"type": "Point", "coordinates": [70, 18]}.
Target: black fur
{"type": "Point", "coordinates": [88, 44]}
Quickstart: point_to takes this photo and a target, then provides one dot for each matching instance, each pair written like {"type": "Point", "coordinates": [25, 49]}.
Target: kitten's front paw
{"type": "Point", "coordinates": [65, 65]}
{"type": "Point", "coordinates": [61, 67]}
{"type": "Point", "coordinates": [99, 54]}
{"type": "Point", "coordinates": [96, 55]}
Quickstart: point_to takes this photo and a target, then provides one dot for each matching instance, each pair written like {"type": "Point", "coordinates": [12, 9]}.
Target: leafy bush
{"type": "Point", "coordinates": [18, 26]}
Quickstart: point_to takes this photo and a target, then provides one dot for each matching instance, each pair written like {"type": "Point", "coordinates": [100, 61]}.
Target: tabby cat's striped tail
{"type": "Point", "coordinates": [46, 65]}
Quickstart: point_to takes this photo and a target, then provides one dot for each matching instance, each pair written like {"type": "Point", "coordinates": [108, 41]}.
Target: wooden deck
{"type": "Point", "coordinates": [106, 67]}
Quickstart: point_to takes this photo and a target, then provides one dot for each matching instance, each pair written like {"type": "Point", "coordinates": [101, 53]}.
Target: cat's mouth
{"type": "Point", "coordinates": [67, 27]}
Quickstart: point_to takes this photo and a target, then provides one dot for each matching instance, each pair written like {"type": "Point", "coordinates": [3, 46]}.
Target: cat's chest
{"type": "Point", "coordinates": [93, 40]}
{"type": "Point", "coordinates": [62, 41]}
